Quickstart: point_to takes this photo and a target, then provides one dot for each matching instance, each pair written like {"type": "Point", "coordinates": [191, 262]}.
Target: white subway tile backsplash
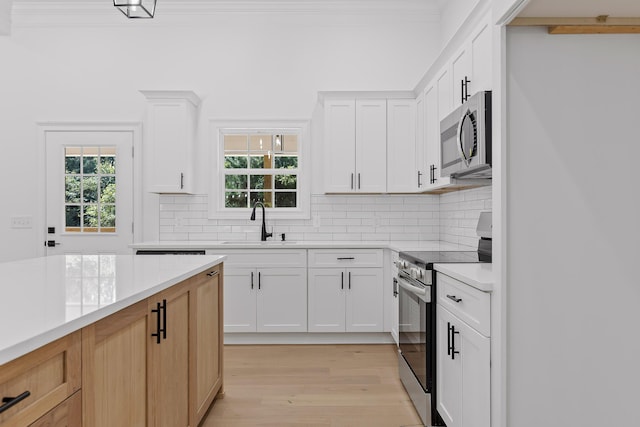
{"type": "Point", "coordinates": [450, 217]}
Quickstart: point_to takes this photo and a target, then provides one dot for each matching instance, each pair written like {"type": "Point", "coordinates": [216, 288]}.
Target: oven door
{"type": "Point", "coordinates": [416, 339]}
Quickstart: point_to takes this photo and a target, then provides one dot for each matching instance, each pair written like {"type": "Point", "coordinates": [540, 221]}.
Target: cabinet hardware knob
{"type": "Point", "coordinates": [213, 273]}
{"type": "Point", "coordinates": [259, 280]}
{"type": "Point", "coordinates": [358, 180]}
{"type": "Point", "coordinates": [345, 257]}
{"type": "Point", "coordinates": [181, 180]}
{"type": "Point", "coordinates": [349, 280]}
{"type": "Point", "coordinates": [419, 176]}
{"type": "Point", "coordinates": [8, 402]}
{"type": "Point", "coordinates": [454, 298]}
{"type": "Point", "coordinates": [158, 323]}
{"type": "Point", "coordinates": [352, 181]}
{"type": "Point", "coordinates": [448, 339]}
{"type": "Point", "coordinates": [252, 280]}
{"type": "Point", "coordinates": [453, 342]}
{"type": "Point", "coordinates": [342, 280]}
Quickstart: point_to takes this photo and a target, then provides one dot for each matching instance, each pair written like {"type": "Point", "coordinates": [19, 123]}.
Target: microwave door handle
{"type": "Point", "coordinates": [463, 157]}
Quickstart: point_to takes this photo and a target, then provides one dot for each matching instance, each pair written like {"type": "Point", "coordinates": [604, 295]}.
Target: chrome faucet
{"type": "Point", "coordinates": [264, 234]}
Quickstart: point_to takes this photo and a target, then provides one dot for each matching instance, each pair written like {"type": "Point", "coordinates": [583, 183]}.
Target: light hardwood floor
{"type": "Point", "coordinates": [312, 385]}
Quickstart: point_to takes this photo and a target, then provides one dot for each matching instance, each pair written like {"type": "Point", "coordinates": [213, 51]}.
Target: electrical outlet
{"type": "Point", "coordinates": [21, 222]}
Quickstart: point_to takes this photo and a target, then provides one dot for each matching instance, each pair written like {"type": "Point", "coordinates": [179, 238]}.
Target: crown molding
{"type": "Point", "coordinates": [101, 12]}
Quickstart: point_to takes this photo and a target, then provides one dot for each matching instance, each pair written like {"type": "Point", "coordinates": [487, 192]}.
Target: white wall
{"type": "Point", "coordinates": [265, 65]}
{"type": "Point", "coordinates": [573, 229]}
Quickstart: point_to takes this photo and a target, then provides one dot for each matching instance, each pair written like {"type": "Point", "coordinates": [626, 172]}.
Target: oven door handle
{"type": "Point", "coordinates": [413, 289]}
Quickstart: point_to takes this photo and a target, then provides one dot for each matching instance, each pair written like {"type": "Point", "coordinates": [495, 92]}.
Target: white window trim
{"type": "Point", "coordinates": [216, 187]}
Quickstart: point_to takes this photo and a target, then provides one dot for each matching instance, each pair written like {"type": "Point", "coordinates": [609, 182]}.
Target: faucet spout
{"type": "Point", "coordinates": [264, 234]}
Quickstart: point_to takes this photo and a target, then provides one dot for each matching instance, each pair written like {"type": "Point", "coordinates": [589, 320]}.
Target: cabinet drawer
{"type": "Point", "coordinates": [49, 374]}
{"type": "Point", "coordinates": [345, 258]}
{"type": "Point", "coordinates": [66, 414]}
{"type": "Point", "coordinates": [259, 258]}
{"type": "Point", "coordinates": [472, 306]}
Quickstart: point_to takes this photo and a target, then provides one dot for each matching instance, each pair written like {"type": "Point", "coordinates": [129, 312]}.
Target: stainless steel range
{"type": "Point", "coordinates": [417, 318]}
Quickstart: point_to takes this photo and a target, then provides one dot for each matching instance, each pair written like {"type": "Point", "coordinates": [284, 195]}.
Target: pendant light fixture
{"type": "Point", "coordinates": [136, 8]}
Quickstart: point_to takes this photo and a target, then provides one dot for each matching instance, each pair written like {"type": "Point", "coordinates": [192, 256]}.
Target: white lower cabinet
{"type": "Point", "coordinates": [463, 368]}
{"type": "Point", "coordinates": [345, 300]}
{"type": "Point", "coordinates": [346, 290]}
{"type": "Point", "coordinates": [265, 291]}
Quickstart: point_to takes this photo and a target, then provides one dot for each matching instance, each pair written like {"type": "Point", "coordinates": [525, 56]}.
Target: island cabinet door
{"type": "Point", "coordinates": [206, 342]}
{"type": "Point", "coordinates": [114, 369]}
{"type": "Point", "coordinates": [168, 371]}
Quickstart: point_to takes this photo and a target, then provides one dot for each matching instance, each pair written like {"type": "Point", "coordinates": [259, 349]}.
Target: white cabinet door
{"type": "Point", "coordinates": [326, 300]}
{"type": "Point", "coordinates": [240, 286]}
{"type": "Point", "coordinates": [463, 373]}
{"type": "Point", "coordinates": [371, 146]}
{"type": "Point", "coordinates": [461, 73]}
{"type": "Point", "coordinates": [169, 141]}
{"type": "Point", "coordinates": [444, 94]}
{"type": "Point", "coordinates": [481, 60]}
{"type": "Point", "coordinates": [340, 146]}
{"type": "Point", "coordinates": [282, 300]}
{"type": "Point", "coordinates": [364, 305]}
{"type": "Point", "coordinates": [402, 176]}
{"type": "Point", "coordinates": [448, 371]}
{"type": "Point", "coordinates": [421, 164]}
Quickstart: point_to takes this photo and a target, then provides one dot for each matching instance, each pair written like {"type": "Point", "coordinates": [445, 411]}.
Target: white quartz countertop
{"type": "Point", "coordinates": [478, 275]}
{"type": "Point", "coordinates": [46, 298]}
{"type": "Point", "coordinates": [431, 245]}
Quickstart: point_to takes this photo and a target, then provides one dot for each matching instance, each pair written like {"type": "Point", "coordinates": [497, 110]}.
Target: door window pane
{"type": "Point", "coordinates": [90, 189]}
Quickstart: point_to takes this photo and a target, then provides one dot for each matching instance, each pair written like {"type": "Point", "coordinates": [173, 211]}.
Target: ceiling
{"type": "Point", "coordinates": [581, 8]}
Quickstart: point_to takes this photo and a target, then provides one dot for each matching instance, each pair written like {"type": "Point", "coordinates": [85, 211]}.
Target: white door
{"type": "Point", "coordinates": [365, 303]}
{"type": "Point", "coordinates": [282, 300]}
{"type": "Point", "coordinates": [89, 192]}
{"type": "Point", "coordinates": [327, 299]}
{"type": "Point", "coordinates": [240, 287]}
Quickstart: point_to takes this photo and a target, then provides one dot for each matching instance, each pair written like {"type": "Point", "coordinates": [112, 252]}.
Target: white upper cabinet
{"type": "Point", "coordinates": [402, 175]}
{"type": "Point", "coordinates": [481, 57]}
{"type": "Point", "coordinates": [355, 146]}
{"type": "Point", "coordinates": [169, 141]}
{"type": "Point", "coordinates": [432, 139]}
{"type": "Point", "coordinates": [371, 146]}
{"type": "Point", "coordinates": [340, 145]}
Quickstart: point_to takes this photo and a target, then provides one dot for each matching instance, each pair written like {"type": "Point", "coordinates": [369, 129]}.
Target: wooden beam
{"type": "Point", "coordinates": [556, 22]}
{"type": "Point", "coordinates": [594, 29]}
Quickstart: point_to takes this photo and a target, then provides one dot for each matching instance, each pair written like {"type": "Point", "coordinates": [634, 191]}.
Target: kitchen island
{"type": "Point", "coordinates": [138, 338]}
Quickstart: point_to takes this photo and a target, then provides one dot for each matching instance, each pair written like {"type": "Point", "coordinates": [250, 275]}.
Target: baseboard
{"type": "Point", "coordinates": [309, 338]}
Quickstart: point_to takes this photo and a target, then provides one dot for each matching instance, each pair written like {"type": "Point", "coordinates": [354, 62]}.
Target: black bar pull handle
{"type": "Point", "coordinates": [181, 180]}
{"type": "Point", "coordinates": [454, 298]}
{"type": "Point", "coordinates": [345, 257]}
{"type": "Point", "coordinates": [448, 339]}
{"type": "Point", "coordinates": [453, 342]}
{"type": "Point", "coordinates": [349, 280]}
{"type": "Point", "coordinates": [8, 402]}
{"type": "Point", "coordinates": [395, 287]}
{"type": "Point", "coordinates": [158, 324]}
{"type": "Point", "coordinates": [342, 280]}
{"type": "Point", "coordinates": [213, 273]}
{"type": "Point", "coordinates": [252, 280]}
{"type": "Point", "coordinates": [352, 181]}
{"type": "Point", "coordinates": [466, 87]}
{"type": "Point", "coordinates": [358, 180]}
{"type": "Point", "coordinates": [164, 319]}
{"type": "Point", "coordinates": [462, 91]}
{"type": "Point", "coordinates": [419, 176]}
{"type": "Point", "coordinates": [259, 280]}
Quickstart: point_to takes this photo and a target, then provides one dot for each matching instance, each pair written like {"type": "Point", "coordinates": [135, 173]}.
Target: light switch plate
{"type": "Point", "coordinates": [21, 222]}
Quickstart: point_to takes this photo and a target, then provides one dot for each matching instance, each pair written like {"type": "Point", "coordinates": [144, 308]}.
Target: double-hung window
{"type": "Point", "coordinates": [260, 164]}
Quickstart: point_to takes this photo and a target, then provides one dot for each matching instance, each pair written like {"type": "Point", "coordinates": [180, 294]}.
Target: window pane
{"type": "Point", "coordinates": [286, 162]}
{"type": "Point", "coordinates": [72, 217]}
{"type": "Point", "coordinates": [235, 144]}
{"type": "Point", "coordinates": [286, 182]}
{"type": "Point", "coordinates": [72, 189]}
{"type": "Point", "coordinates": [72, 160]}
{"type": "Point", "coordinates": [107, 161]}
{"type": "Point", "coordinates": [289, 144]}
{"type": "Point", "coordinates": [235, 182]}
{"type": "Point", "coordinates": [235, 162]}
{"type": "Point", "coordinates": [260, 182]}
{"type": "Point", "coordinates": [286, 199]}
{"type": "Point", "coordinates": [107, 218]}
{"type": "Point", "coordinates": [257, 162]}
{"type": "Point", "coordinates": [90, 218]}
{"type": "Point", "coordinates": [235, 199]}
{"type": "Point", "coordinates": [260, 144]}
{"type": "Point", "coordinates": [90, 189]}
{"type": "Point", "coordinates": [90, 160]}
{"type": "Point", "coordinates": [108, 189]}
{"type": "Point", "coordinates": [265, 197]}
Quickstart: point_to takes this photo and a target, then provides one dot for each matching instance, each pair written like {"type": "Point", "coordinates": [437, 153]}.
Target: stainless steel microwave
{"type": "Point", "coordinates": [465, 139]}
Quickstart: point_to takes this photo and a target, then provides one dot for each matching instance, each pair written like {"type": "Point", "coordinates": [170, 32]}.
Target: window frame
{"type": "Point", "coordinates": [219, 128]}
